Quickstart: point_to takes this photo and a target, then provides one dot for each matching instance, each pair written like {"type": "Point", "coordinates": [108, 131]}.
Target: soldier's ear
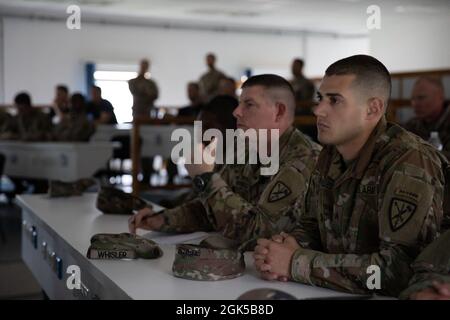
{"type": "Point", "coordinates": [375, 108]}
{"type": "Point", "coordinates": [281, 110]}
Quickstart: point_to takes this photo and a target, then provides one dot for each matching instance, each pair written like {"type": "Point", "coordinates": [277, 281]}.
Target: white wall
{"type": "Point", "coordinates": [412, 44]}
{"type": "Point", "coordinates": [39, 54]}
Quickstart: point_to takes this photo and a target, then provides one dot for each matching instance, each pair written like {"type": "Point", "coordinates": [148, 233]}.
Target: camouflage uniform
{"type": "Point", "coordinates": [423, 129]}
{"type": "Point", "coordinates": [433, 264]}
{"type": "Point", "coordinates": [145, 92]}
{"type": "Point", "coordinates": [5, 124]}
{"type": "Point", "coordinates": [243, 204]}
{"type": "Point", "coordinates": [209, 83]}
{"type": "Point", "coordinates": [74, 127]}
{"type": "Point", "coordinates": [32, 126]}
{"type": "Point", "coordinates": [381, 209]}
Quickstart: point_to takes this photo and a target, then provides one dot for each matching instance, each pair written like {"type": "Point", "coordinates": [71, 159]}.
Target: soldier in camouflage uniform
{"type": "Point", "coordinates": [431, 278]}
{"type": "Point", "coordinates": [74, 125]}
{"type": "Point", "coordinates": [304, 88]}
{"type": "Point", "coordinates": [209, 81]}
{"type": "Point", "coordinates": [30, 124]}
{"type": "Point", "coordinates": [375, 197]}
{"type": "Point", "coordinates": [144, 91]}
{"type": "Point", "coordinates": [5, 124]}
{"type": "Point", "coordinates": [432, 112]}
{"type": "Point", "coordinates": [239, 201]}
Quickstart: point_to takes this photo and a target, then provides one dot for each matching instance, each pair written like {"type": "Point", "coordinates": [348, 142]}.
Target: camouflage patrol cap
{"type": "Point", "coordinates": [66, 189]}
{"type": "Point", "coordinates": [197, 262]}
{"type": "Point", "coordinates": [122, 246]}
{"type": "Point", "coordinates": [115, 201]}
{"type": "Point", "coordinates": [266, 294]}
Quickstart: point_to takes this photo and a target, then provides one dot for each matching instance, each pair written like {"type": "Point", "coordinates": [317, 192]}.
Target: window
{"type": "Point", "coordinates": [114, 85]}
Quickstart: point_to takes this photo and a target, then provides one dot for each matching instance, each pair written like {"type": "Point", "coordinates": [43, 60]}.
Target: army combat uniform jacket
{"type": "Point", "coordinates": [379, 210]}
{"type": "Point", "coordinates": [243, 204]}
{"type": "Point", "coordinates": [433, 264]}
{"type": "Point", "coordinates": [145, 92]}
{"type": "Point", "coordinates": [209, 83]}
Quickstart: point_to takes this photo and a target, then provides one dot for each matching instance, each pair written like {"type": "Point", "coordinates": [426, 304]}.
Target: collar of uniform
{"type": "Point", "coordinates": [329, 157]}
{"type": "Point", "coordinates": [365, 155]}
{"type": "Point", "coordinates": [285, 137]}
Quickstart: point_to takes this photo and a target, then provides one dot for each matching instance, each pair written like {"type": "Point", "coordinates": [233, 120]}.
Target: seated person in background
{"type": "Point", "coordinates": [60, 103]}
{"type": "Point", "coordinates": [304, 89]}
{"type": "Point", "coordinates": [431, 279]}
{"type": "Point", "coordinates": [196, 104]}
{"type": "Point", "coordinates": [30, 124]}
{"type": "Point", "coordinates": [227, 86]}
{"type": "Point", "coordinates": [375, 199]}
{"type": "Point", "coordinates": [217, 114]}
{"type": "Point", "coordinates": [239, 201]}
{"type": "Point", "coordinates": [74, 125]}
{"type": "Point", "coordinates": [5, 124]}
{"type": "Point", "coordinates": [431, 110]}
{"type": "Point", "coordinates": [100, 110]}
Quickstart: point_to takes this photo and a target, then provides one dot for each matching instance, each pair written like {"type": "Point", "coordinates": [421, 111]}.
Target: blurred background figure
{"type": "Point", "coordinates": [30, 124]}
{"type": "Point", "coordinates": [303, 88]}
{"type": "Point", "coordinates": [144, 91]}
{"type": "Point", "coordinates": [100, 110]}
{"type": "Point", "coordinates": [227, 87]}
{"type": "Point", "coordinates": [432, 112]}
{"type": "Point", "coordinates": [60, 102]}
{"type": "Point", "coordinates": [209, 81]}
{"type": "Point", "coordinates": [196, 103]}
{"type": "Point", "coordinates": [74, 125]}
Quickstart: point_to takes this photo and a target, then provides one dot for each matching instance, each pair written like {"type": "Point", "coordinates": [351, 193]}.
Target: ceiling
{"type": "Point", "coordinates": [339, 17]}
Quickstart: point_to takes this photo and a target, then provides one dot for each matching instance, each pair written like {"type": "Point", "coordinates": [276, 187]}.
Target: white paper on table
{"type": "Point", "coordinates": [164, 238]}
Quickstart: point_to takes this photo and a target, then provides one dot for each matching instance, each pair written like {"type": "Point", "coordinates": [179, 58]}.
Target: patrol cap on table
{"type": "Point", "coordinates": [114, 201]}
{"type": "Point", "coordinates": [66, 189]}
{"type": "Point", "coordinates": [266, 294]}
{"type": "Point", "coordinates": [122, 246]}
{"type": "Point", "coordinates": [197, 262]}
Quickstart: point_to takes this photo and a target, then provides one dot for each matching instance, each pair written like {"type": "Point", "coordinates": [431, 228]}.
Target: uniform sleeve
{"type": "Point", "coordinates": [409, 216]}
{"type": "Point", "coordinates": [276, 210]}
{"type": "Point", "coordinates": [433, 264]}
{"type": "Point", "coordinates": [189, 217]}
{"type": "Point", "coordinates": [307, 231]}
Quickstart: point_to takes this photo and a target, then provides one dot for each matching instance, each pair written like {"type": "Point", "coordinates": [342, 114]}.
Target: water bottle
{"type": "Point", "coordinates": [435, 141]}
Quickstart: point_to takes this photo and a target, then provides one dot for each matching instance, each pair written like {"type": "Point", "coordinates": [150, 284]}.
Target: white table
{"type": "Point", "coordinates": [156, 139]}
{"type": "Point", "coordinates": [66, 226]}
{"type": "Point", "coordinates": [66, 161]}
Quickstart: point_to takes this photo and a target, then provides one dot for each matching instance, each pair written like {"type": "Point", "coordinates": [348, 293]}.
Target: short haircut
{"type": "Point", "coordinates": [63, 88]}
{"type": "Point", "coordinates": [97, 88]}
{"type": "Point", "coordinates": [273, 82]}
{"type": "Point", "coordinates": [299, 61]}
{"type": "Point", "coordinates": [23, 99]}
{"type": "Point", "coordinates": [194, 84]}
{"type": "Point", "coordinates": [371, 75]}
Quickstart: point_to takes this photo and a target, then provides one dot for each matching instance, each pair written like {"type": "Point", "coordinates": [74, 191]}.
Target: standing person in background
{"type": "Point", "coordinates": [144, 91]}
{"type": "Point", "coordinates": [304, 88]}
{"type": "Point", "coordinates": [209, 81]}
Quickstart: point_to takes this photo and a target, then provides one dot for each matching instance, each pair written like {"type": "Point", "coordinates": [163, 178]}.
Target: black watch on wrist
{"type": "Point", "coordinates": [201, 181]}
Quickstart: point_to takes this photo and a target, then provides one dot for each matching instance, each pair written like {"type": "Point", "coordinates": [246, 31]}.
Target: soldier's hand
{"type": "Point", "coordinates": [145, 219]}
{"type": "Point", "coordinates": [277, 256]}
{"type": "Point", "coordinates": [439, 291]}
{"type": "Point", "coordinates": [207, 163]}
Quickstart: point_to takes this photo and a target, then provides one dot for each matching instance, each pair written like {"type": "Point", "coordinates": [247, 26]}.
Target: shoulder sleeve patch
{"type": "Point", "coordinates": [283, 191]}
{"type": "Point", "coordinates": [407, 201]}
